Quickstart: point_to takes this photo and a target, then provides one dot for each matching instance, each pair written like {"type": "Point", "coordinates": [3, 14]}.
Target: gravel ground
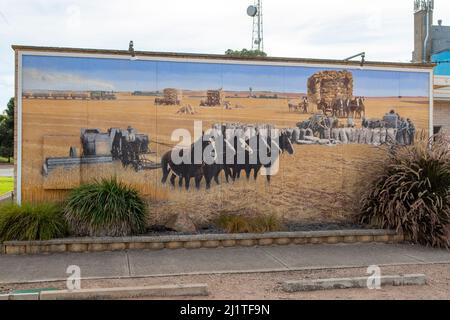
{"type": "Point", "coordinates": [266, 286]}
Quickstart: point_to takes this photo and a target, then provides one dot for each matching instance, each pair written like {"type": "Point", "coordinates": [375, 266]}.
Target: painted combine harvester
{"type": "Point", "coordinates": [124, 145]}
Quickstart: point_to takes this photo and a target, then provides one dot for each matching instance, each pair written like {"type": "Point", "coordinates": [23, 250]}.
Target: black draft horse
{"type": "Point", "coordinates": [266, 144]}
{"type": "Point", "coordinates": [225, 150]}
{"type": "Point", "coordinates": [186, 171]}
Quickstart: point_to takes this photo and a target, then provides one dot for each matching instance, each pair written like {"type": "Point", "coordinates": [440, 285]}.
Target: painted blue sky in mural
{"type": "Point", "coordinates": [70, 73]}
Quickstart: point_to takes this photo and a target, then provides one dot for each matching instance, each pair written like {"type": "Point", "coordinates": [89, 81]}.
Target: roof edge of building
{"type": "Point", "coordinates": [223, 57]}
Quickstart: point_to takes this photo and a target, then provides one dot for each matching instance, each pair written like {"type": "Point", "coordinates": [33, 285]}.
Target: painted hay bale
{"type": "Point", "coordinates": [172, 96]}
{"type": "Point", "coordinates": [376, 136]}
{"type": "Point", "coordinates": [302, 134]}
{"type": "Point", "coordinates": [324, 142]}
{"type": "Point", "coordinates": [343, 136]}
{"type": "Point", "coordinates": [327, 133]}
{"type": "Point", "coordinates": [295, 134]}
{"type": "Point", "coordinates": [391, 135]}
{"type": "Point", "coordinates": [383, 135]}
{"type": "Point", "coordinates": [305, 142]}
{"type": "Point", "coordinates": [352, 135]}
{"type": "Point", "coordinates": [329, 85]}
{"type": "Point", "coordinates": [335, 134]}
{"type": "Point", "coordinates": [311, 138]}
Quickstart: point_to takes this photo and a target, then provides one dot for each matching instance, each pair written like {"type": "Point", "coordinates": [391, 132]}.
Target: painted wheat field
{"type": "Point", "coordinates": [316, 184]}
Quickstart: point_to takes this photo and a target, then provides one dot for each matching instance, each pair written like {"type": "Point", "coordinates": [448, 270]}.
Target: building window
{"type": "Point", "coordinates": [437, 129]}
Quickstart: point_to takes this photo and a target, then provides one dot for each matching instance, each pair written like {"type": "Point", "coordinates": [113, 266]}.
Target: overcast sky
{"type": "Point", "coordinates": [87, 74]}
{"type": "Point", "coordinates": [292, 28]}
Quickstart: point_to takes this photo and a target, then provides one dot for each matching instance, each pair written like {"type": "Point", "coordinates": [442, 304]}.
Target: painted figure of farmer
{"type": "Point", "coordinates": [411, 131]}
{"type": "Point", "coordinates": [401, 133]}
{"type": "Point", "coordinates": [391, 119]}
{"type": "Point", "coordinates": [322, 128]}
{"type": "Point", "coordinates": [364, 122]}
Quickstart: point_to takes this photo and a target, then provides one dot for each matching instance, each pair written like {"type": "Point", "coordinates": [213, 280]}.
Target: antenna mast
{"type": "Point", "coordinates": [255, 11]}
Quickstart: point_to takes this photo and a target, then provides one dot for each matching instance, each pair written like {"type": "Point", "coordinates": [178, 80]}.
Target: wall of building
{"type": "Point", "coordinates": [420, 30]}
{"type": "Point", "coordinates": [440, 38]}
{"type": "Point", "coordinates": [442, 115]}
{"type": "Point", "coordinates": [442, 102]}
{"type": "Point", "coordinates": [319, 181]}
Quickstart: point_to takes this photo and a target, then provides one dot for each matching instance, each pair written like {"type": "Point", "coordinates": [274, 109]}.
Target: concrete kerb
{"type": "Point", "coordinates": [197, 241]}
{"type": "Point", "coordinates": [350, 283]}
{"type": "Point", "coordinates": [228, 272]}
{"type": "Point", "coordinates": [20, 296]}
{"type": "Point", "coordinates": [127, 293]}
{"type": "Point", "coordinates": [115, 293]}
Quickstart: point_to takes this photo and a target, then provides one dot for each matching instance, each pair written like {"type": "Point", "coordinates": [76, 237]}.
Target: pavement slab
{"type": "Point", "coordinates": [147, 263]}
{"type": "Point", "coordinates": [200, 261]}
{"type": "Point", "coordinates": [54, 266]}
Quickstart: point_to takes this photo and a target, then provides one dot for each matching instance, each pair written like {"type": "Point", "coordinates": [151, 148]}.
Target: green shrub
{"type": "Point", "coordinates": [411, 193]}
{"type": "Point", "coordinates": [31, 222]}
{"type": "Point", "coordinates": [235, 223]}
{"type": "Point", "coordinates": [105, 208]}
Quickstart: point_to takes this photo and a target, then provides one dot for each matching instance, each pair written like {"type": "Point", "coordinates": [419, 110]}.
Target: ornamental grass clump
{"type": "Point", "coordinates": [28, 222]}
{"type": "Point", "coordinates": [105, 208]}
{"type": "Point", "coordinates": [237, 223]}
{"type": "Point", "coordinates": [411, 193]}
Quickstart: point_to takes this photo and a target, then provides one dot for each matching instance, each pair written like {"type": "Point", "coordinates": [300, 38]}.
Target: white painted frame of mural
{"type": "Point", "coordinates": [20, 54]}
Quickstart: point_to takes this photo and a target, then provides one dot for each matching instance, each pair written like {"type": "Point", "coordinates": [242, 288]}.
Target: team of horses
{"type": "Point", "coordinates": [339, 107]}
{"type": "Point", "coordinates": [222, 151]}
{"type": "Point", "coordinates": [343, 108]}
{"type": "Point", "coordinates": [303, 106]}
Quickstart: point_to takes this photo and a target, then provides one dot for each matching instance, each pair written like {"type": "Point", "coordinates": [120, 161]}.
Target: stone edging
{"type": "Point", "coordinates": [114, 293]}
{"type": "Point", "coordinates": [199, 241]}
{"type": "Point", "coordinates": [348, 283]}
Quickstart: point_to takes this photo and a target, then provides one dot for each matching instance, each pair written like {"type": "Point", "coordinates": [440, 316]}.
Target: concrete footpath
{"type": "Point", "coordinates": [6, 171]}
{"type": "Point", "coordinates": [144, 263]}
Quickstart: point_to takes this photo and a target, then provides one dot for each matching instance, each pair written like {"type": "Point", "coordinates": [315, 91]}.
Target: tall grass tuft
{"type": "Point", "coordinates": [238, 223]}
{"type": "Point", "coordinates": [29, 222]}
{"type": "Point", "coordinates": [411, 193]}
{"type": "Point", "coordinates": [105, 208]}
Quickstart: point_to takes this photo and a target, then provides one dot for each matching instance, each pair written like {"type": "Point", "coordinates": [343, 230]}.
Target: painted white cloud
{"type": "Point", "coordinates": [35, 79]}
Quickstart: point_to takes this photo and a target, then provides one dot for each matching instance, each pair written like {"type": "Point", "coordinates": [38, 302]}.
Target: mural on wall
{"type": "Point", "coordinates": [87, 118]}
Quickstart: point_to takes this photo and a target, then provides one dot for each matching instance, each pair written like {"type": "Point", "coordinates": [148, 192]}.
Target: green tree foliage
{"type": "Point", "coordinates": [245, 53]}
{"type": "Point", "coordinates": [7, 131]}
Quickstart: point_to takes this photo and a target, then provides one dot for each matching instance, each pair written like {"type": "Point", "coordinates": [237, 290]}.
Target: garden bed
{"type": "Point", "coordinates": [161, 230]}
{"type": "Point", "coordinates": [196, 241]}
